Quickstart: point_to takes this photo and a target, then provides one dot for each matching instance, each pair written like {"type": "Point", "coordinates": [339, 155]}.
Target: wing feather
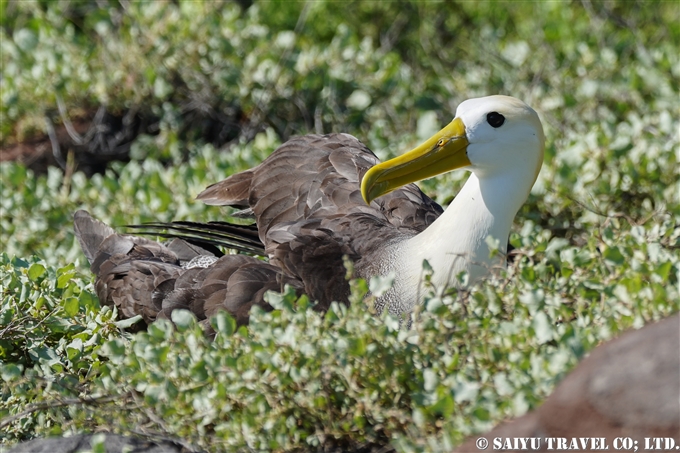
{"type": "Point", "coordinates": [309, 213]}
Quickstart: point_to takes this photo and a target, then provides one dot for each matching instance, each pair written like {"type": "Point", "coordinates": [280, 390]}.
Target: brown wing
{"type": "Point", "coordinates": [307, 202]}
{"type": "Point", "coordinates": [306, 199]}
{"type": "Point", "coordinates": [143, 277]}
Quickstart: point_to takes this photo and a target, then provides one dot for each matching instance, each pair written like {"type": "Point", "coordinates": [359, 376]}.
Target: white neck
{"type": "Point", "coordinates": [456, 241]}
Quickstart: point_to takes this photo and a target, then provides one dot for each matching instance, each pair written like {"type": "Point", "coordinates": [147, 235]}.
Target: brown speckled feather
{"type": "Point", "coordinates": [307, 203]}
{"type": "Point", "coordinates": [306, 199]}
{"type": "Point", "coordinates": [143, 277]}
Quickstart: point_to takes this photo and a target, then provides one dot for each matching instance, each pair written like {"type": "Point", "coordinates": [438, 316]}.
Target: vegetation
{"type": "Point", "coordinates": [218, 87]}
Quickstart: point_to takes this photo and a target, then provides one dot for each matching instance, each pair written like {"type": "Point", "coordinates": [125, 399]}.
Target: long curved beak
{"type": "Point", "coordinates": [443, 152]}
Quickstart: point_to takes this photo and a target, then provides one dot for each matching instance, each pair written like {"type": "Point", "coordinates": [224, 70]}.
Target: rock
{"type": "Point", "coordinates": [114, 443]}
{"type": "Point", "coordinates": [628, 387]}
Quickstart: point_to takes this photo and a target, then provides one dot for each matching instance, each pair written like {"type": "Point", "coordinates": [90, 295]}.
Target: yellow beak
{"type": "Point", "coordinates": [444, 151]}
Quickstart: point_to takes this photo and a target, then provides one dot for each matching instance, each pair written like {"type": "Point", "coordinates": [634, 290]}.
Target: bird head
{"type": "Point", "coordinates": [488, 136]}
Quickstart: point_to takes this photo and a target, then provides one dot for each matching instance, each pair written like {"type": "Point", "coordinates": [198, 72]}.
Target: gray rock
{"type": "Point", "coordinates": [114, 443]}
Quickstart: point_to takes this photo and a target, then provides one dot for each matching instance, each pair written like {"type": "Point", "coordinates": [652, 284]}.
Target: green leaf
{"type": "Point", "coordinates": [129, 322]}
{"type": "Point", "coordinates": [88, 300]}
{"type": "Point", "coordinates": [555, 245]}
{"type": "Point", "coordinates": [6, 316]}
{"type": "Point", "coordinates": [25, 39]}
{"type": "Point", "coordinates": [114, 349]}
{"type": "Point", "coordinates": [74, 349]}
{"type": "Point", "coordinates": [430, 380]}
{"type": "Point", "coordinates": [444, 407]}
{"type": "Point", "coordinates": [65, 275]}
{"type": "Point", "coordinates": [465, 391]}
{"type": "Point", "coordinates": [71, 306]}
{"type": "Point", "coordinates": [10, 372]}
{"type": "Point", "coordinates": [183, 319]}
{"type": "Point", "coordinates": [543, 328]}
{"type": "Point", "coordinates": [379, 285]}
{"type": "Point", "coordinates": [223, 322]}
{"type": "Point", "coordinates": [482, 414]}
{"type": "Point", "coordinates": [664, 270]}
{"type": "Point", "coordinates": [357, 347]}
{"type": "Point", "coordinates": [35, 271]}
{"type": "Point", "coordinates": [614, 255]}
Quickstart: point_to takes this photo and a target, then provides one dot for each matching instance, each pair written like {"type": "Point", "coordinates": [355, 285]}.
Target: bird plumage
{"type": "Point", "coordinates": [307, 203]}
{"type": "Point", "coordinates": [319, 199]}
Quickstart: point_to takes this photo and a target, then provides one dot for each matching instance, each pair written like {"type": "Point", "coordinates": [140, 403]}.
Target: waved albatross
{"type": "Point", "coordinates": [319, 198]}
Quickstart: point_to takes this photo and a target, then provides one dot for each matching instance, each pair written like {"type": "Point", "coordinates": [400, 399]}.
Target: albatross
{"type": "Point", "coordinates": [319, 199]}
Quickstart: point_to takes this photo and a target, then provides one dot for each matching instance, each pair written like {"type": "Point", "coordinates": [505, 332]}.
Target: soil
{"type": "Point", "coordinates": [95, 141]}
{"type": "Point", "coordinates": [36, 153]}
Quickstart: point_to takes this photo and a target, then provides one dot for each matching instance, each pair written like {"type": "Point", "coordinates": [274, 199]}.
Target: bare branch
{"type": "Point", "coordinates": [75, 136]}
{"type": "Point", "coordinates": [90, 401]}
{"type": "Point", "coordinates": [56, 150]}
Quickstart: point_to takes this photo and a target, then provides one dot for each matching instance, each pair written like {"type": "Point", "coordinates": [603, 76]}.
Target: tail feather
{"type": "Point", "coordinates": [143, 277]}
{"type": "Point", "coordinates": [244, 238]}
{"type": "Point", "coordinates": [90, 232]}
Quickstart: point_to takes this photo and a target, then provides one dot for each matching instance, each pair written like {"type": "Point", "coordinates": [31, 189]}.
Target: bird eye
{"type": "Point", "coordinates": [495, 119]}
